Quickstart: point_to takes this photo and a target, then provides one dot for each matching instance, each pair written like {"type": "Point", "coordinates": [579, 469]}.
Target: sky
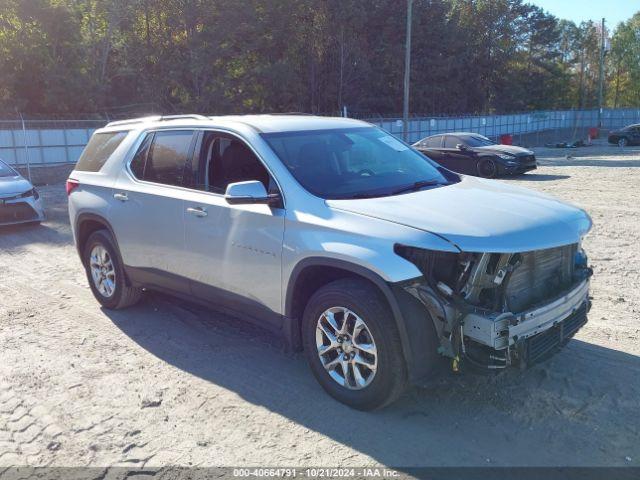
{"type": "Point", "coordinates": [614, 11]}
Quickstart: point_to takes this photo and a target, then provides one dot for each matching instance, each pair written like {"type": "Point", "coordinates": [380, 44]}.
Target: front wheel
{"type": "Point", "coordinates": [623, 142]}
{"type": "Point", "coordinates": [487, 168]}
{"type": "Point", "coordinates": [105, 273]}
{"type": "Point", "coordinates": [352, 344]}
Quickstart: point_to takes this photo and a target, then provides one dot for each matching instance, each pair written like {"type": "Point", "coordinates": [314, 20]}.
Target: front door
{"type": "Point", "coordinates": [234, 252]}
{"type": "Point", "coordinates": [456, 159]}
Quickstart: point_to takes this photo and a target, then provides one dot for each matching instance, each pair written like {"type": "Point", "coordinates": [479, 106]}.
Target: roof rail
{"type": "Point", "coordinates": [193, 116]}
{"type": "Point", "coordinates": [155, 118]}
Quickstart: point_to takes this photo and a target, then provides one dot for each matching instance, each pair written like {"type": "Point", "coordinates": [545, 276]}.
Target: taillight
{"type": "Point", "coordinates": [71, 185]}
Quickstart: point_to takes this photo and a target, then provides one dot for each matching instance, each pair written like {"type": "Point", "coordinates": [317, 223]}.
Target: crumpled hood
{"type": "Point", "coordinates": [510, 149]}
{"type": "Point", "coordinates": [480, 215]}
{"type": "Point", "coordinates": [9, 185]}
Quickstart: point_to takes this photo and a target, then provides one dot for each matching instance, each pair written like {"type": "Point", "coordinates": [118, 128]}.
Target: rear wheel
{"type": "Point", "coordinates": [105, 273]}
{"type": "Point", "coordinates": [623, 142]}
{"type": "Point", "coordinates": [487, 168]}
{"type": "Point", "coordinates": [352, 344]}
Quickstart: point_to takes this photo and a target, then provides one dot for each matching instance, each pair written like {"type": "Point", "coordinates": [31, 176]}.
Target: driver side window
{"type": "Point", "coordinates": [450, 141]}
{"type": "Point", "coordinates": [223, 160]}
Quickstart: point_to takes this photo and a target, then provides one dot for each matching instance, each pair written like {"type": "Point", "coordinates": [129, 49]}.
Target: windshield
{"type": "Point", "coordinates": [354, 163]}
{"type": "Point", "coordinates": [476, 141]}
{"type": "Point", "coordinates": [6, 170]}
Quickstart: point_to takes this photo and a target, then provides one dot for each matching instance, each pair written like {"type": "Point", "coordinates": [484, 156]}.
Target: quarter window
{"type": "Point", "coordinates": [98, 151]}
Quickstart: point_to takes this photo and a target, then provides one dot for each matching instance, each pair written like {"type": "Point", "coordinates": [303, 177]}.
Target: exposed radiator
{"type": "Point", "coordinates": [541, 274]}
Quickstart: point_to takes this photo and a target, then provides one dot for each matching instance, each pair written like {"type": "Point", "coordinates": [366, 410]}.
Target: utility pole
{"type": "Point", "coordinates": [407, 74]}
{"type": "Point", "coordinates": [601, 74]}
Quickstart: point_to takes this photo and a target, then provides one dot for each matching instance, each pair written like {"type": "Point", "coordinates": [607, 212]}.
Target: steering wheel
{"type": "Point", "coordinates": [365, 172]}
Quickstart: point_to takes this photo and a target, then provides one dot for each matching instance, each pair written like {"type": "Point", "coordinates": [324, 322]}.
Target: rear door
{"type": "Point", "coordinates": [148, 212]}
{"type": "Point", "coordinates": [431, 147]}
{"type": "Point", "coordinates": [234, 252]}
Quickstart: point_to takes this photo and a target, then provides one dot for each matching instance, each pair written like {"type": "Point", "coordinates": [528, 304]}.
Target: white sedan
{"type": "Point", "coordinates": [19, 200]}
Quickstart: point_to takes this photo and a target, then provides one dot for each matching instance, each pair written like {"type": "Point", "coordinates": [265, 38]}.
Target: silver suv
{"type": "Point", "coordinates": [380, 264]}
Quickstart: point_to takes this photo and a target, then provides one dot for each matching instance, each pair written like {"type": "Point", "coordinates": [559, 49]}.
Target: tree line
{"type": "Point", "coordinates": [241, 56]}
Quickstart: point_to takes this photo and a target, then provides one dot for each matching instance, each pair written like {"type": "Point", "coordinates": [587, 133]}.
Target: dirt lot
{"type": "Point", "coordinates": [167, 384]}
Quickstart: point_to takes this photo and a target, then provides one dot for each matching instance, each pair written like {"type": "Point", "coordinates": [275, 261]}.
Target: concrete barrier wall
{"type": "Point", "coordinates": [44, 146]}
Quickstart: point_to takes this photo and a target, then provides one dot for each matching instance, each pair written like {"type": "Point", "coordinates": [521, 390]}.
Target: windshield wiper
{"type": "Point", "coordinates": [416, 186]}
{"type": "Point", "coordinates": [366, 195]}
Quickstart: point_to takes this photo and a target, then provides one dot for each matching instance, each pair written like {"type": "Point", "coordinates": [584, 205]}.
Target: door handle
{"type": "Point", "coordinates": [121, 196]}
{"type": "Point", "coordinates": [198, 212]}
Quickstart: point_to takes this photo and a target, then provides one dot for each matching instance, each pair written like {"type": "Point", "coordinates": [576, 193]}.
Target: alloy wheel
{"type": "Point", "coordinates": [346, 348]}
{"type": "Point", "coordinates": [487, 169]}
{"type": "Point", "coordinates": [102, 271]}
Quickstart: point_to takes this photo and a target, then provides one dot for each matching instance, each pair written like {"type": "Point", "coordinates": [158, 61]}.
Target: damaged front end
{"type": "Point", "coordinates": [494, 310]}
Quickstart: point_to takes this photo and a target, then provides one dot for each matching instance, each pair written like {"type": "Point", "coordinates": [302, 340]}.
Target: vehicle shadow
{"type": "Point", "coordinates": [16, 236]}
{"type": "Point", "coordinates": [581, 405]}
{"type": "Point", "coordinates": [584, 162]}
{"type": "Point", "coordinates": [536, 177]}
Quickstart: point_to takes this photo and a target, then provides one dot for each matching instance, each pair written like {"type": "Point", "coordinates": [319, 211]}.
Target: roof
{"type": "Point", "coordinates": [265, 123]}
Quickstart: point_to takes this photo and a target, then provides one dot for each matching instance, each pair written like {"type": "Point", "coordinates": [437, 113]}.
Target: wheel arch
{"type": "Point", "coordinates": [312, 273]}
{"type": "Point", "coordinates": [86, 224]}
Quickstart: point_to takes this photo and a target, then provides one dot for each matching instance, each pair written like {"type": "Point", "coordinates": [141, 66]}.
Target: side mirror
{"type": "Point", "coordinates": [250, 192]}
{"type": "Point", "coordinates": [461, 146]}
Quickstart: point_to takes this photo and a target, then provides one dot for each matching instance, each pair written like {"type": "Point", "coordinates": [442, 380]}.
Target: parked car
{"type": "Point", "coordinates": [19, 201]}
{"type": "Point", "coordinates": [629, 135]}
{"type": "Point", "coordinates": [475, 154]}
{"type": "Point", "coordinates": [380, 264]}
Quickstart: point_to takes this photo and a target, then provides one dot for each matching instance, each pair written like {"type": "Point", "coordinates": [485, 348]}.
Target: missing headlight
{"type": "Point", "coordinates": [451, 269]}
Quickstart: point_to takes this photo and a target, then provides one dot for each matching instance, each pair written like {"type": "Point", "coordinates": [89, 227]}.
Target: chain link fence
{"type": "Point", "coordinates": [27, 141]}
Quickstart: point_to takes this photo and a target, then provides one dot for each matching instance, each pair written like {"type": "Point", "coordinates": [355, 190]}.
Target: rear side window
{"type": "Point", "coordinates": [432, 142]}
{"type": "Point", "coordinates": [98, 150]}
{"type": "Point", "coordinates": [163, 157]}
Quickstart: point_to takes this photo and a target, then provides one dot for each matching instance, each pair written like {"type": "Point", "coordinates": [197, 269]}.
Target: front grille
{"type": "Point", "coordinates": [540, 275]}
{"type": "Point", "coordinates": [16, 212]}
{"type": "Point", "coordinates": [546, 343]}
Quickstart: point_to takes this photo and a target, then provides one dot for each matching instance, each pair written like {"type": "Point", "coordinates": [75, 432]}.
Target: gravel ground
{"type": "Point", "coordinates": [165, 383]}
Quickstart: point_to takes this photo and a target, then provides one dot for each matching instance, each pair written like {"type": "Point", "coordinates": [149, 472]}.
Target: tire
{"type": "Point", "coordinates": [121, 295]}
{"type": "Point", "coordinates": [623, 142]}
{"type": "Point", "coordinates": [363, 301]}
{"type": "Point", "coordinates": [487, 168]}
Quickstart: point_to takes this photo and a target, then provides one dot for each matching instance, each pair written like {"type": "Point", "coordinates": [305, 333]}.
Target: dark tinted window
{"type": "Point", "coordinates": [476, 141]}
{"type": "Point", "coordinates": [98, 150]}
{"type": "Point", "coordinates": [6, 170]}
{"type": "Point", "coordinates": [432, 142]}
{"type": "Point", "coordinates": [226, 160]}
{"type": "Point", "coordinates": [139, 161]}
{"type": "Point", "coordinates": [450, 141]}
{"type": "Point", "coordinates": [167, 157]}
